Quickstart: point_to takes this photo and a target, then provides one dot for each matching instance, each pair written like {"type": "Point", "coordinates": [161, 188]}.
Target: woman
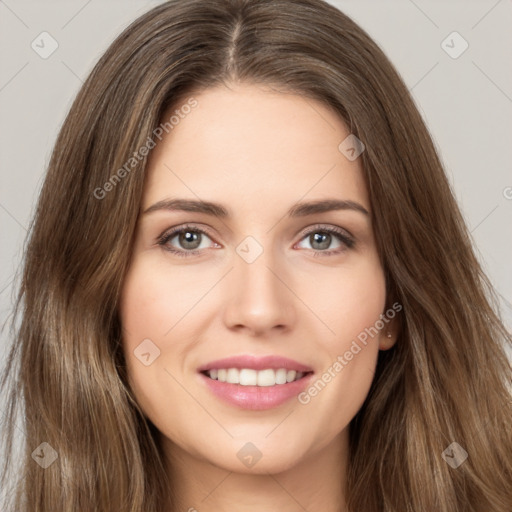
{"type": "Point", "coordinates": [248, 284]}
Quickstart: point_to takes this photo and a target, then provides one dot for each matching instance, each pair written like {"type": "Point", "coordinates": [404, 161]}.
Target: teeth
{"type": "Point", "coordinates": [290, 375]}
{"type": "Point", "coordinates": [266, 378]}
{"type": "Point", "coordinates": [232, 376]}
{"type": "Point", "coordinates": [281, 376]}
{"type": "Point", "coordinates": [249, 377]}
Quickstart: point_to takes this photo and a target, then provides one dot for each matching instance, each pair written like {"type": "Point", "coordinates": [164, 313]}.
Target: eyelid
{"type": "Point", "coordinates": [327, 227]}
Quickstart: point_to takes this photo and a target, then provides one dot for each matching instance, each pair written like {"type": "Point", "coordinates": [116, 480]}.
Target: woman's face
{"type": "Point", "coordinates": [260, 278]}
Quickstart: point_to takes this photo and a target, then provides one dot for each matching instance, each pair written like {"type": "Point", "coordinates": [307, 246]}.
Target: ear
{"type": "Point", "coordinates": [389, 334]}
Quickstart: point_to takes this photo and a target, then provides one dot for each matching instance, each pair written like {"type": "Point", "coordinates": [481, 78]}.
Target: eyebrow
{"type": "Point", "coordinates": [217, 210]}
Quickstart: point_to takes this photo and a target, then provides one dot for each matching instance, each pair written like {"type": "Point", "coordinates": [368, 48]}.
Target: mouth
{"type": "Point", "coordinates": [255, 383]}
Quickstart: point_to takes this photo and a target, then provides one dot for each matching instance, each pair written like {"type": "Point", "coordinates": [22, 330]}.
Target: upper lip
{"type": "Point", "coordinates": [256, 363]}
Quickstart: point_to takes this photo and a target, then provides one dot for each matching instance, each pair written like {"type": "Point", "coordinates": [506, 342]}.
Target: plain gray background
{"type": "Point", "coordinates": [465, 101]}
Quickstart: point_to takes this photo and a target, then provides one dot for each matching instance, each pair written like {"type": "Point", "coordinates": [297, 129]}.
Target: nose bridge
{"type": "Point", "coordinates": [259, 300]}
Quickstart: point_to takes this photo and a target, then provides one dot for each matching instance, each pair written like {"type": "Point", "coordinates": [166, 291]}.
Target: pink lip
{"type": "Point", "coordinates": [256, 398]}
{"type": "Point", "coordinates": [256, 363]}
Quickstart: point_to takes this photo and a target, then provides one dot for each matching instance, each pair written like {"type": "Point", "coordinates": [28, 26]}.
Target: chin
{"type": "Point", "coordinates": [259, 456]}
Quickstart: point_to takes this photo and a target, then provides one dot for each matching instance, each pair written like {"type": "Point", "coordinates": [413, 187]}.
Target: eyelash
{"type": "Point", "coordinates": [164, 238]}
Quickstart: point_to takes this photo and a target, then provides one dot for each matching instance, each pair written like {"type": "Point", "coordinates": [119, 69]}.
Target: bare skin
{"type": "Point", "coordinates": [257, 152]}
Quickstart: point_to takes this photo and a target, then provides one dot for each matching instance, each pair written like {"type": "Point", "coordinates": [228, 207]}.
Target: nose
{"type": "Point", "coordinates": [259, 300]}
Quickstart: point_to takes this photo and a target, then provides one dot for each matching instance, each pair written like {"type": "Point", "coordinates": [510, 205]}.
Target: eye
{"type": "Point", "coordinates": [188, 238]}
{"type": "Point", "coordinates": [321, 237]}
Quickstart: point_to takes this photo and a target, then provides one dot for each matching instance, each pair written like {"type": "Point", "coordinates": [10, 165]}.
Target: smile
{"type": "Point", "coordinates": [255, 383]}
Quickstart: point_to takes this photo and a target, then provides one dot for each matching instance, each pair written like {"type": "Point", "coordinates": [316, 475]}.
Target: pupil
{"type": "Point", "coordinates": [189, 238]}
{"type": "Point", "coordinates": [323, 239]}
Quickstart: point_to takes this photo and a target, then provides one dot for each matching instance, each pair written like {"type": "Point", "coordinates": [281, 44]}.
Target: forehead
{"type": "Point", "coordinates": [256, 146]}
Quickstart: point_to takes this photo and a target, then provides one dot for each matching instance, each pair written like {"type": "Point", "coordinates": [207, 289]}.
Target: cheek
{"type": "Point", "coordinates": [152, 307]}
{"type": "Point", "coordinates": [143, 309]}
{"type": "Point", "coordinates": [149, 308]}
{"type": "Point", "coordinates": [350, 304]}
{"type": "Point", "coordinates": [154, 301]}
{"type": "Point", "coordinates": [351, 310]}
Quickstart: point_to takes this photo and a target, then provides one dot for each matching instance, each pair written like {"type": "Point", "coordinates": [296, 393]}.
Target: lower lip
{"type": "Point", "coordinates": [256, 398]}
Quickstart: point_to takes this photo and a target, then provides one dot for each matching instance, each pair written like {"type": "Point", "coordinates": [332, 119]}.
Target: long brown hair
{"type": "Point", "coordinates": [446, 380]}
